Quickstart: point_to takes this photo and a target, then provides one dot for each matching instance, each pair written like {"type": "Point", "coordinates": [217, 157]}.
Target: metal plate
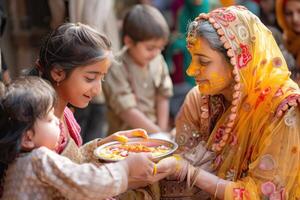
{"type": "Point", "coordinates": [102, 151]}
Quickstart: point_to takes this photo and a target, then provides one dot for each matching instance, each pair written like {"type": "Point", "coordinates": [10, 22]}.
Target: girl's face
{"type": "Point", "coordinates": [83, 83]}
{"type": "Point", "coordinates": [292, 15]}
{"type": "Point", "coordinates": [46, 131]}
{"type": "Point", "coordinates": [209, 68]}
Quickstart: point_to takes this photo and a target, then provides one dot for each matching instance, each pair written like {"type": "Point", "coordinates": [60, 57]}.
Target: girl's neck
{"type": "Point", "coordinates": [59, 108]}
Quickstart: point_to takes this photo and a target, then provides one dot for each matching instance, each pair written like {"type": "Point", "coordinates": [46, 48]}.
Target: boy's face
{"type": "Point", "coordinates": [143, 52]}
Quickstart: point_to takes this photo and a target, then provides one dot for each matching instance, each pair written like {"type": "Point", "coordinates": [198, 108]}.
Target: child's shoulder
{"type": "Point", "coordinates": [41, 152]}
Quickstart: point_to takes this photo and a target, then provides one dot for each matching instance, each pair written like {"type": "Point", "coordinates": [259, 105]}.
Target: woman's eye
{"type": "Point", "coordinates": [89, 79]}
{"type": "Point", "coordinates": [204, 63]}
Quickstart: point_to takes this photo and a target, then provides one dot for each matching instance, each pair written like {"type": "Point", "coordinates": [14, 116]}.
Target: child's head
{"type": "Point", "coordinates": [27, 120]}
{"type": "Point", "coordinates": [74, 58]}
{"type": "Point", "coordinates": [145, 33]}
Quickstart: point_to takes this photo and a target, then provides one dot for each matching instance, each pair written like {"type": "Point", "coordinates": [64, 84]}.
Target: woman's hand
{"type": "Point", "coordinates": [122, 136]}
{"type": "Point", "coordinates": [174, 166]}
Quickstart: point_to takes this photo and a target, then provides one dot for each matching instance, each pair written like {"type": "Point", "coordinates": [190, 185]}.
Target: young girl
{"type": "Point", "coordinates": [75, 58]}
{"type": "Point", "coordinates": [30, 133]}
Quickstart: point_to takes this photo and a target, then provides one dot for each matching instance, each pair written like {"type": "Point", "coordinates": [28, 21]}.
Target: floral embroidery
{"type": "Point", "coordinates": [247, 107]}
{"type": "Point", "coordinates": [240, 193]}
{"type": "Point", "coordinates": [290, 98]}
{"type": "Point", "coordinates": [262, 96]}
{"type": "Point", "coordinates": [227, 17]}
{"type": "Point", "coordinates": [220, 132]}
{"type": "Point", "coordinates": [263, 62]}
{"type": "Point", "coordinates": [267, 162]}
{"type": "Point", "coordinates": [244, 56]}
{"type": "Point", "coordinates": [230, 174]}
{"type": "Point", "coordinates": [269, 191]}
{"type": "Point", "coordinates": [218, 160]}
{"type": "Point", "coordinates": [277, 62]}
{"type": "Point", "coordinates": [268, 188]}
{"type": "Point", "coordinates": [233, 141]}
{"type": "Point", "coordinates": [278, 93]}
{"type": "Point", "coordinates": [243, 32]}
{"type": "Point", "coordinates": [290, 118]}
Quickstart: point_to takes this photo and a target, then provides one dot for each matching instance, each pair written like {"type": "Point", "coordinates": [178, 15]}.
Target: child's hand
{"type": "Point", "coordinates": [144, 162]}
{"type": "Point", "coordinates": [146, 173]}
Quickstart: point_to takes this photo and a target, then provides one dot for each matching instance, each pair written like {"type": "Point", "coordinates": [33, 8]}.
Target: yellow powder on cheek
{"type": "Point", "coordinates": [216, 82]}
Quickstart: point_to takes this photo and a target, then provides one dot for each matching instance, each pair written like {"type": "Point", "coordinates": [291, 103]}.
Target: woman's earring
{"type": "Point", "coordinates": [57, 83]}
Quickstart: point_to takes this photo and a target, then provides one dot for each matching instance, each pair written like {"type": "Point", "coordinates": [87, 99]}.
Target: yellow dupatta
{"type": "Point", "coordinates": [291, 39]}
{"type": "Point", "coordinates": [256, 150]}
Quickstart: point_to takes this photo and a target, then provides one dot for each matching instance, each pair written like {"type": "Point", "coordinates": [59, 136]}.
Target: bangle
{"type": "Point", "coordinates": [154, 169]}
{"type": "Point", "coordinates": [217, 187]}
{"type": "Point", "coordinates": [178, 158]}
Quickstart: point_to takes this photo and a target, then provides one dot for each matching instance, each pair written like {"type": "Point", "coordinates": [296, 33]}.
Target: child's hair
{"type": "Point", "coordinates": [144, 22]}
{"type": "Point", "coordinates": [23, 102]}
{"type": "Point", "coordinates": [69, 46]}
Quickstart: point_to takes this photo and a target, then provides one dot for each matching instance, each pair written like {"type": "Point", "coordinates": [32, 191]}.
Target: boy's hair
{"type": "Point", "coordinates": [69, 46]}
{"type": "Point", "coordinates": [23, 102]}
{"type": "Point", "coordinates": [144, 22]}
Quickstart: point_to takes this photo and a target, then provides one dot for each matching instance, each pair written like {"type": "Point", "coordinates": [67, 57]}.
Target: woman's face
{"type": "Point", "coordinates": [292, 15]}
{"type": "Point", "coordinates": [209, 68]}
{"type": "Point", "coordinates": [83, 83]}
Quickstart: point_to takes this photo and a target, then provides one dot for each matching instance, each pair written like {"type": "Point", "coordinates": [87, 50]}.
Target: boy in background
{"type": "Point", "coordinates": [138, 87]}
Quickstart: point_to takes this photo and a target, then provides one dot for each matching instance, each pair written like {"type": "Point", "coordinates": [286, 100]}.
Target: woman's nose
{"type": "Point", "coordinates": [193, 70]}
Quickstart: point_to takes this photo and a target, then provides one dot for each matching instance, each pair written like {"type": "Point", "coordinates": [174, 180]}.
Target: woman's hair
{"type": "Point", "coordinates": [23, 102]}
{"type": "Point", "coordinates": [69, 46]}
{"type": "Point", "coordinates": [144, 22]}
{"type": "Point", "coordinates": [205, 30]}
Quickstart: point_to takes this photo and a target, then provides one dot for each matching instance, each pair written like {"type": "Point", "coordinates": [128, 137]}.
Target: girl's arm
{"type": "Point", "coordinates": [76, 181]}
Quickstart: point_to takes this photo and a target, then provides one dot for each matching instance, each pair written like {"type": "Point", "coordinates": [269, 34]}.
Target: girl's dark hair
{"type": "Point", "coordinates": [205, 30]}
{"type": "Point", "coordinates": [23, 102]}
{"type": "Point", "coordinates": [69, 46]}
{"type": "Point", "coordinates": [144, 22]}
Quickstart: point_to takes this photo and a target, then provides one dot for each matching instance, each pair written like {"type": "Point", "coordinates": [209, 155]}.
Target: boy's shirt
{"type": "Point", "coordinates": [128, 85]}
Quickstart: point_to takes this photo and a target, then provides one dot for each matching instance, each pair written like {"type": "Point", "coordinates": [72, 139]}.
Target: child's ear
{"type": "Point", "coordinates": [27, 142]}
{"type": "Point", "coordinates": [58, 74]}
{"type": "Point", "coordinates": [128, 41]}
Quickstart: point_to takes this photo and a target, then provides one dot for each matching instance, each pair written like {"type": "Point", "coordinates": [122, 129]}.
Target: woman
{"type": "Point", "coordinates": [244, 111]}
{"type": "Point", "coordinates": [288, 15]}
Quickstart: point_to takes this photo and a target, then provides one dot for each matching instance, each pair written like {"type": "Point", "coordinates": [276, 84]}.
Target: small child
{"type": "Point", "coordinates": [138, 88]}
{"type": "Point", "coordinates": [30, 168]}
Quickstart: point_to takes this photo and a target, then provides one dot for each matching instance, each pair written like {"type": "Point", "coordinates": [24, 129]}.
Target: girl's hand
{"type": "Point", "coordinates": [122, 136]}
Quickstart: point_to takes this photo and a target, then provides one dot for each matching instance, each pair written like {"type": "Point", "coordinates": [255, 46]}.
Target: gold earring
{"type": "Point", "coordinates": [57, 83]}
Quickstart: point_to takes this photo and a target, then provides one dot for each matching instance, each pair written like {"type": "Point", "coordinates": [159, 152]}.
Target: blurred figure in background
{"type": "Point", "coordinates": [5, 77]}
{"type": "Point", "coordinates": [288, 15]}
{"type": "Point", "coordinates": [137, 88]}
